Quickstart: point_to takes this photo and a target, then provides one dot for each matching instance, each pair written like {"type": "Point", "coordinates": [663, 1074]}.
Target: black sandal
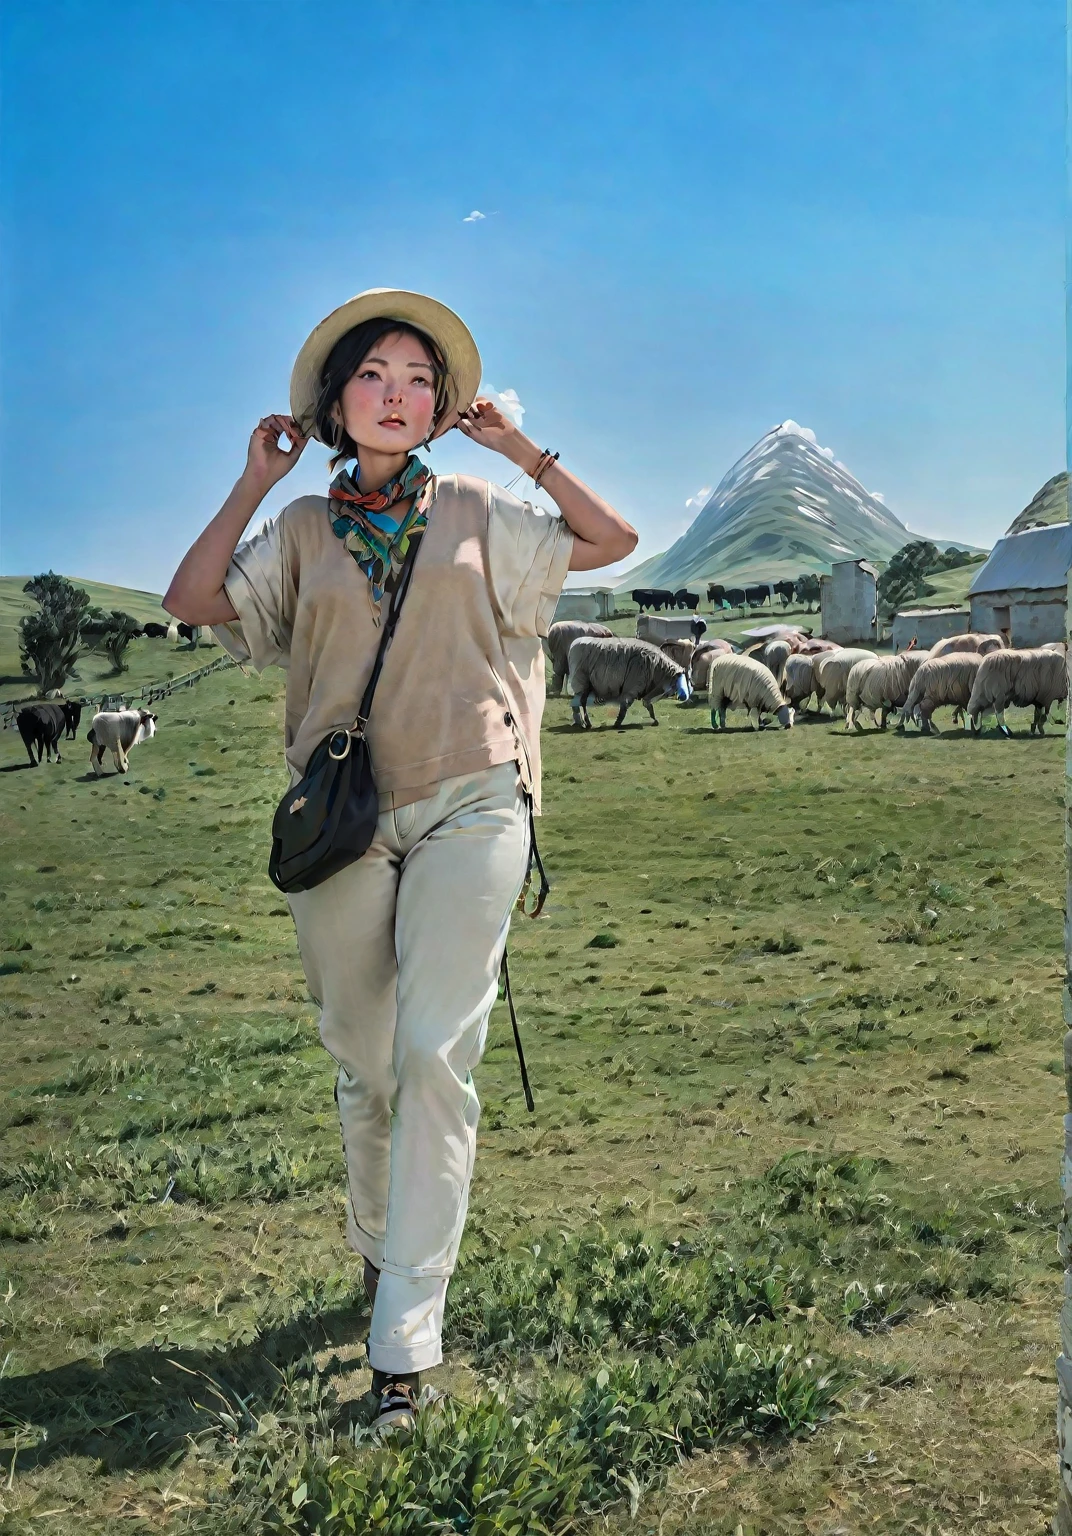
{"type": "Point", "coordinates": [398, 1393]}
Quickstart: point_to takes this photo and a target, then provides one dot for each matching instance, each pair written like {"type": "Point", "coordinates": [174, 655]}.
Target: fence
{"type": "Point", "coordinates": [147, 695]}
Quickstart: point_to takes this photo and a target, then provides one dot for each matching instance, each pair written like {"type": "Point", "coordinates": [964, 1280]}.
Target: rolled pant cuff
{"type": "Point", "coordinates": [397, 1357]}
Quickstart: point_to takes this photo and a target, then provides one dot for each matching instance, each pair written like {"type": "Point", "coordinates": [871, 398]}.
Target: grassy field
{"type": "Point", "coordinates": [775, 1254]}
{"type": "Point", "coordinates": [148, 661]}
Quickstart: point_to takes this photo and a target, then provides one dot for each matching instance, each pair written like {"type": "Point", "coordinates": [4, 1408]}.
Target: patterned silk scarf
{"type": "Point", "coordinates": [378, 541]}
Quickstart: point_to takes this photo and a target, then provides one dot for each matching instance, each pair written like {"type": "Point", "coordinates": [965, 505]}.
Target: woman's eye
{"type": "Point", "coordinates": [369, 373]}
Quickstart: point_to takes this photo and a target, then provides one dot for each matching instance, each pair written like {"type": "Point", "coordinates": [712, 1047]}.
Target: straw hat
{"type": "Point", "coordinates": [450, 334]}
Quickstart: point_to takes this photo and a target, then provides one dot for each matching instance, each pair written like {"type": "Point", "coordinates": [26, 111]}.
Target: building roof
{"type": "Point", "coordinates": [764, 631]}
{"type": "Point", "coordinates": [915, 613]}
{"type": "Point", "coordinates": [865, 565]}
{"type": "Point", "coordinates": [1033, 560]}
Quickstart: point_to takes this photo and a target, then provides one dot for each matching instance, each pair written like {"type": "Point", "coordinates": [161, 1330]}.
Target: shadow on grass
{"type": "Point", "coordinates": [137, 1409]}
{"type": "Point", "coordinates": [576, 730]}
{"type": "Point", "coordinates": [17, 767]}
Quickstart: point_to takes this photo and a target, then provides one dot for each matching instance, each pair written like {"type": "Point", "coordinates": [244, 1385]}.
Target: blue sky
{"type": "Point", "coordinates": [700, 219]}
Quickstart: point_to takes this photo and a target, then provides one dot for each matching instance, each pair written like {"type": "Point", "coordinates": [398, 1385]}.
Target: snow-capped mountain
{"type": "Point", "coordinates": [785, 508]}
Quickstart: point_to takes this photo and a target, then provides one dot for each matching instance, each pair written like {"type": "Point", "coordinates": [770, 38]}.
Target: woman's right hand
{"type": "Point", "coordinates": [266, 462]}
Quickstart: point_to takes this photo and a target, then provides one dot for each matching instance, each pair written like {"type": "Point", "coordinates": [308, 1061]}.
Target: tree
{"type": "Point", "coordinates": [51, 639]}
{"type": "Point", "coordinates": [903, 579]}
{"type": "Point", "coordinates": [119, 630]}
{"type": "Point", "coordinates": [806, 590]}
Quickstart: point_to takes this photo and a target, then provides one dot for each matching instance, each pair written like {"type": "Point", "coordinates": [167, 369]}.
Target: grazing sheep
{"type": "Point", "coordinates": [774, 656]}
{"type": "Point", "coordinates": [1035, 678]}
{"type": "Point", "coordinates": [772, 652]}
{"type": "Point", "coordinates": [701, 659]}
{"type": "Point", "coordinates": [880, 685]}
{"type": "Point", "coordinates": [993, 688]}
{"type": "Point", "coordinates": [941, 680]}
{"type": "Point", "coordinates": [1042, 681]}
{"type": "Point", "coordinates": [620, 671]}
{"type": "Point", "coordinates": [816, 647]}
{"type": "Point", "coordinates": [798, 681]}
{"type": "Point", "coordinates": [952, 644]}
{"type": "Point", "coordinates": [680, 651]}
{"type": "Point", "coordinates": [832, 674]}
{"type": "Point", "coordinates": [559, 639]}
{"type": "Point", "coordinates": [743, 681]}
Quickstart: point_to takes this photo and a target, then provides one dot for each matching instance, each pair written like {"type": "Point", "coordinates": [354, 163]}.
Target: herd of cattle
{"type": "Point", "coordinates": [780, 676]}
{"type": "Point", "coordinates": [658, 598]}
{"type": "Point", "coordinates": [172, 631]}
{"type": "Point", "coordinates": [43, 726]}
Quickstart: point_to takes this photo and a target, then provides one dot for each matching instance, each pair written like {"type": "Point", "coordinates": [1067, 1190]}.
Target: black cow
{"type": "Point", "coordinates": [699, 629]}
{"type": "Point", "coordinates": [686, 599]}
{"type": "Point", "coordinates": [716, 595]}
{"type": "Point", "coordinates": [156, 631]}
{"type": "Point", "coordinates": [785, 590]}
{"type": "Point", "coordinates": [736, 597]}
{"type": "Point", "coordinates": [72, 713]}
{"type": "Point", "coordinates": [41, 726]}
{"type": "Point", "coordinates": [661, 598]}
{"type": "Point", "coordinates": [757, 596]}
{"type": "Point", "coordinates": [642, 596]}
{"type": "Point", "coordinates": [190, 632]}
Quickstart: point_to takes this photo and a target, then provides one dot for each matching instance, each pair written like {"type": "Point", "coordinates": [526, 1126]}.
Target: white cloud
{"type": "Point", "coordinates": [474, 217]}
{"type": "Point", "coordinates": [700, 497]}
{"type": "Point", "coordinates": [507, 401]}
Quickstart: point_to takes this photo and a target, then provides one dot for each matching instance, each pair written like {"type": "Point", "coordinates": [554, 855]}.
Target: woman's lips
{"type": "Point", "coordinates": [392, 421]}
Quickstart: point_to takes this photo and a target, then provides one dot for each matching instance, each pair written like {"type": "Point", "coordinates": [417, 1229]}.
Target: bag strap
{"type": "Point", "coordinates": [508, 994]}
{"type": "Point", "coordinates": [534, 858]}
{"type": "Point", "coordinates": [398, 597]}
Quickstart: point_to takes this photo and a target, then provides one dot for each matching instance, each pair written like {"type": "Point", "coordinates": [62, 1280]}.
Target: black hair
{"type": "Point", "coordinates": [343, 361]}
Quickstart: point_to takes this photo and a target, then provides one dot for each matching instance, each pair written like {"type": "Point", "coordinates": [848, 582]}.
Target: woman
{"type": "Point", "coordinates": [402, 948]}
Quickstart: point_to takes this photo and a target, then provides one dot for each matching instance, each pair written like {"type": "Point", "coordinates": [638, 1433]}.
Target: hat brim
{"type": "Point", "coordinates": [447, 330]}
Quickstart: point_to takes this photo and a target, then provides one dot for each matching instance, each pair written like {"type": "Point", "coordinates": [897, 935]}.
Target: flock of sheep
{"type": "Point", "coordinates": [973, 674]}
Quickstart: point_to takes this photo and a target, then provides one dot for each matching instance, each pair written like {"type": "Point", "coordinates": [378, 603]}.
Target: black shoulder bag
{"type": "Point", "coordinates": [329, 817]}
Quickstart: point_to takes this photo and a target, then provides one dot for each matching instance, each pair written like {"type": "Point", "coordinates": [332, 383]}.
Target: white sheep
{"type": "Point", "coordinates": [984, 644]}
{"type": "Point", "coordinates": [798, 681]}
{"type": "Point", "coordinates": [832, 670]}
{"type": "Point", "coordinates": [560, 637]}
{"type": "Point", "coordinates": [119, 729]}
{"type": "Point", "coordinates": [1041, 682]}
{"type": "Point", "coordinates": [742, 681]}
{"type": "Point", "coordinates": [880, 685]}
{"type": "Point", "coordinates": [620, 671]}
{"type": "Point", "coordinates": [775, 655]}
{"type": "Point", "coordinates": [941, 680]}
{"type": "Point", "coordinates": [680, 651]}
{"type": "Point", "coordinates": [1037, 679]}
{"type": "Point", "coordinates": [701, 660]}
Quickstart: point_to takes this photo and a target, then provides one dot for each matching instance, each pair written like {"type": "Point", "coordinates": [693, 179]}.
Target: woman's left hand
{"type": "Point", "coordinates": [484, 423]}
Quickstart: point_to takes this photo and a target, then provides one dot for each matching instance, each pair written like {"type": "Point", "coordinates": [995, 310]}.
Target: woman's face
{"type": "Point", "coordinates": [388, 404]}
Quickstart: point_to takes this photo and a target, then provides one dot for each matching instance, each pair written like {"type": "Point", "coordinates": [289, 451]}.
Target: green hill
{"type": "Point", "coordinates": [149, 661]}
{"type": "Point", "coordinates": [1048, 505]}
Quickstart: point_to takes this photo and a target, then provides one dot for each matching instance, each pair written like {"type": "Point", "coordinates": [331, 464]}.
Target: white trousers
{"type": "Point", "coordinates": [402, 950]}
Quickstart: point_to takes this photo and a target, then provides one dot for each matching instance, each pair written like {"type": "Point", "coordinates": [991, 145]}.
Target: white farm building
{"type": "Point", "coordinates": [926, 626]}
{"type": "Point", "coordinates": [1023, 587]}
